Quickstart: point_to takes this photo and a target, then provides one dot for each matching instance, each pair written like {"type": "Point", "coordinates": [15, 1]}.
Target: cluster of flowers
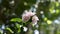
{"type": "Point", "coordinates": [27, 15]}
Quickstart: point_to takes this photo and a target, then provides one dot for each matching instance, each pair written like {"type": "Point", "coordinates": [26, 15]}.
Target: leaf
{"type": "Point", "coordinates": [57, 4]}
{"type": "Point", "coordinates": [45, 19]}
{"type": "Point", "coordinates": [49, 21]}
{"type": "Point", "coordinates": [1, 32]}
{"type": "Point", "coordinates": [9, 30]}
{"type": "Point", "coordinates": [18, 26]}
{"type": "Point", "coordinates": [51, 10]}
{"type": "Point", "coordinates": [57, 11]}
{"type": "Point", "coordinates": [19, 30]}
{"type": "Point", "coordinates": [16, 20]}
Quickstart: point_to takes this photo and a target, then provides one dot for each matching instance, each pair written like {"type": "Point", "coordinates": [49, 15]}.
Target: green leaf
{"type": "Point", "coordinates": [57, 11]}
{"type": "Point", "coordinates": [45, 19]}
{"type": "Point", "coordinates": [18, 26]}
{"type": "Point", "coordinates": [19, 30]}
{"type": "Point", "coordinates": [9, 30]}
{"type": "Point", "coordinates": [16, 20]}
{"type": "Point", "coordinates": [1, 32]}
{"type": "Point", "coordinates": [51, 10]}
{"type": "Point", "coordinates": [49, 22]}
{"type": "Point", "coordinates": [57, 4]}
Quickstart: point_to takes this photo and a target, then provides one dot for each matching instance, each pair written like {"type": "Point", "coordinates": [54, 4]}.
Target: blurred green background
{"type": "Point", "coordinates": [48, 12]}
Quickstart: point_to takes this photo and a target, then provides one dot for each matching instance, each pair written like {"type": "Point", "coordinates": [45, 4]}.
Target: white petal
{"type": "Point", "coordinates": [25, 29]}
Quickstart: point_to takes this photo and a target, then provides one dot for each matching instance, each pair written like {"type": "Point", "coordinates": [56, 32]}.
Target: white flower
{"type": "Point", "coordinates": [26, 15]}
{"type": "Point", "coordinates": [25, 29]}
{"type": "Point", "coordinates": [36, 32]}
{"type": "Point", "coordinates": [34, 19]}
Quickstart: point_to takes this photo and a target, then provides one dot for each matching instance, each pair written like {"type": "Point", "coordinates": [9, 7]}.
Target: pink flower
{"type": "Point", "coordinates": [35, 19]}
{"type": "Point", "coordinates": [26, 15]}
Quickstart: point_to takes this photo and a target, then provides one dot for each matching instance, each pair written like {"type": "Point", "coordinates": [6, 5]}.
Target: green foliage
{"type": "Point", "coordinates": [1, 32]}
{"type": "Point", "coordinates": [57, 4]}
{"type": "Point", "coordinates": [16, 20]}
{"type": "Point", "coordinates": [18, 26]}
{"type": "Point", "coordinates": [9, 30]}
{"type": "Point", "coordinates": [51, 10]}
